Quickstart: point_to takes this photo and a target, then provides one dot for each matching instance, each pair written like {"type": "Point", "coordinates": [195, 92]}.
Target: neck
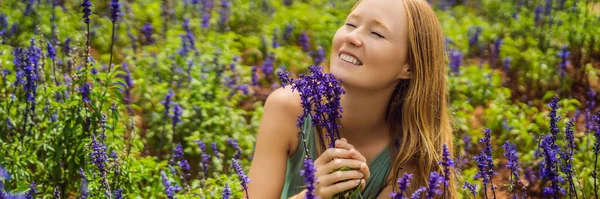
{"type": "Point", "coordinates": [363, 114]}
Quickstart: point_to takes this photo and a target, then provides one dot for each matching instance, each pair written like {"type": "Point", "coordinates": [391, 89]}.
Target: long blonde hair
{"type": "Point", "coordinates": [417, 111]}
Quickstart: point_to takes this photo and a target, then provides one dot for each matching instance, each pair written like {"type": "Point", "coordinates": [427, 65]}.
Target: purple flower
{"type": "Point", "coordinates": [29, 7]}
{"type": "Point", "coordinates": [51, 51]}
{"type": "Point", "coordinates": [234, 144]}
{"type": "Point", "coordinates": [206, 20]}
{"type": "Point", "coordinates": [567, 157]}
{"type": "Point", "coordinates": [224, 13]}
{"type": "Point", "coordinates": [226, 193]}
{"type": "Point", "coordinates": [254, 76]}
{"type": "Point", "coordinates": [446, 163]}
{"type": "Point", "coordinates": [309, 177]}
{"type": "Point", "coordinates": [169, 189]}
{"type": "Point", "coordinates": [215, 149]}
{"type": "Point", "coordinates": [85, 91]}
{"type": "Point", "coordinates": [417, 193]}
{"type": "Point", "coordinates": [204, 157]}
{"type": "Point", "coordinates": [455, 60]}
{"type": "Point", "coordinates": [287, 32]}
{"type": "Point", "coordinates": [244, 89]}
{"type": "Point", "coordinates": [471, 187]}
{"type": "Point", "coordinates": [55, 194]}
{"type": "Point", "coordinates": [99, 158]}
{"type": "Point", "coordinates": [550, 150]}
{"type": "Point", "coordinates": [118, 194]}
{"type": "Point", "coordinates": [513, 161]}
{"type": "Point", "coordinates": [84, 185]}
{"type": "Point", "coordinates": [114, 11]}
{"type": "Point", "coordinates": [537, 12]}
{"type": "Point", "coordinates": [485, 163]}
{"type": "Point", "coordinates": [147, 30]}
{"type": "Point", "coordinates": [185, 166]}
{"type": "Point", "coordinates": [403, 184]}
{"type": "Point", "coordinates": [5, 176]}
{"type": "Point", "coordinates": [167, 102]}
{"type": "Point", "coordinates": [320, 96]}
{"type": "Point", "coordinates": [66, 46]}
{"type": "Point", "coordinates": [435, 179]}
{"type": "Point", "coordinates": [474, 32]}
{"type": "Point", "coordinates": [495, 51]}
{"type": "Point", "coordinates": [31, 192]}
{"type": "Point", "coordinates": [176, 115]}
{"type": "Point", "coordinates": [178, 151]}
{"type": "Point", "coordinates": [267, 66]}
{"type": "Point", "coordinates": [591, 103]}
{"type": "Point", "coordinates": [318, 56]}
{"type": "Point", "coordinates": [244, 180]}
{"type": "Point", "coordinates": [86, 11]}
{"type": "Point", "coordinates": [563, 54]}
{"type": "Point", "coordinates": [304, 41]}
{"type": "Point", "coordinates": [506, 64]}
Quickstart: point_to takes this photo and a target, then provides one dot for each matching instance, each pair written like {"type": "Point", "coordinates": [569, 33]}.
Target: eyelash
{"type": "Point", "coordinates": [375, 33]}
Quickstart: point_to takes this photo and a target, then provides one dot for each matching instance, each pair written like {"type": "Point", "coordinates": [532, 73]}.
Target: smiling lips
{"type": "Point", "coordinates": [350, 59]}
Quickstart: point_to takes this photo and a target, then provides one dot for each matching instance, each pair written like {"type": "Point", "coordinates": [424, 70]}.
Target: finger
{"type": "Point", "coordinates": [357, 155]}
{"type": "Point", "coordinates": [364, 168]}
{"type": "Point", "coordinates": [342, 186]}
{"type": "Point", "coordinates": [337, 164]}
{"type": "Point", "coordinates": [342, 143]}
{"type": "Point", "coordinates": [340, 176]}
{"type": "Point", "coordinates": [330, 154]}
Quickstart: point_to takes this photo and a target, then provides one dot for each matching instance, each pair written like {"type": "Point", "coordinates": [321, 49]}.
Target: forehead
{"type": "Point", "coordinates": [383, 10]}
{"type": "Point", "coordinates": [391, 13]}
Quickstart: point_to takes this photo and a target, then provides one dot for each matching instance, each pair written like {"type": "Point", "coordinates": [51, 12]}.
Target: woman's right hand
{"type": "Point", "coordinates": [329, 183]}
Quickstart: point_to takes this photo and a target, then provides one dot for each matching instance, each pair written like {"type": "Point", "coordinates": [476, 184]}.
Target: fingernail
{"type": "Point", "coordinates": [358, 181]}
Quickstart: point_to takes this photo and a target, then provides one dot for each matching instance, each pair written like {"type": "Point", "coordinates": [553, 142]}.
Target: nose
{"type": "Point", "coordinates": [353, 38]}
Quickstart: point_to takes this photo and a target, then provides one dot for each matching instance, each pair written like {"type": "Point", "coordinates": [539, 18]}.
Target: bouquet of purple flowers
{"type": "Point", "coordinates": [320, 97]}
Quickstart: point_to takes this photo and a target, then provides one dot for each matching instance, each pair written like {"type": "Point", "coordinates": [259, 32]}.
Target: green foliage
{"type": "Point", "coordinates": [212, 82]}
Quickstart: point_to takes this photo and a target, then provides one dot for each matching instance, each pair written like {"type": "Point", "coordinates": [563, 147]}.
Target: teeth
{"type": "Point", "coordinates": [350, 59]}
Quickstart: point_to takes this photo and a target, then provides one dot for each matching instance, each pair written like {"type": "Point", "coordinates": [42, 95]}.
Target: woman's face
{"type": "Point", "coordinates": [369, 51]}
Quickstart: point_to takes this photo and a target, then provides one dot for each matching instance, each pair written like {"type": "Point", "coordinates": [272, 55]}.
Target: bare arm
{"type": "Point", "coordinates": [277, 126]}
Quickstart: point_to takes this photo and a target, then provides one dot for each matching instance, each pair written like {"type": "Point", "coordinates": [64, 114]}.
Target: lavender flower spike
{"type": "Point", "coordinates": [309, 177]}
{"type": "Point", "coordinates": [115, 10]}
{"type": "Point", "coordinates": [226, 192]}
{"type": "Point", "coordinates": [435, 179]}
{"type": "Point", "coordinates": [86, 11]}
{"type": "Point", "coordinates": [244, 180]}
{"type": "Point", "coordinates": [234, 144]}
{"type": "Point", "coordinates": [446, 163]}
{"type": "Point", "coordinates": [403, 184]}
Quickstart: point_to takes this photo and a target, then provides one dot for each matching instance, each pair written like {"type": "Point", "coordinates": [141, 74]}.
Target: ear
{"type": "Point", "coordinates": [405, 72]}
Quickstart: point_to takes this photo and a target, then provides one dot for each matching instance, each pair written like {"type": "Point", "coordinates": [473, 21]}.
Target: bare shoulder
{"type": "Point", "coordinates": [283, 99]}
{"type": "Point", "coordinates": [276, 131]}
{"type": "Point", "coordinates": [285, 105]}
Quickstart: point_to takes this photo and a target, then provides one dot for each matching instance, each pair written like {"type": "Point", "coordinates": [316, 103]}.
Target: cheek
{"type": "Point", "coordinates": [337, 40]}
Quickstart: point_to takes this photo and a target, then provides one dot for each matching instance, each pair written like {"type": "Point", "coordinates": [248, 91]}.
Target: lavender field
{"type": "Point", "coordinates": [162, 99]}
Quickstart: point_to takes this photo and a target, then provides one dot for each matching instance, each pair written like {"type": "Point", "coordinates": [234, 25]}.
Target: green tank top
{"type": "Point", "coordinates": [294, 182]}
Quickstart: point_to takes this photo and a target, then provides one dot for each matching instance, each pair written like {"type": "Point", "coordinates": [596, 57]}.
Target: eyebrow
{"type": "Point", "coordinates": [375, 21]}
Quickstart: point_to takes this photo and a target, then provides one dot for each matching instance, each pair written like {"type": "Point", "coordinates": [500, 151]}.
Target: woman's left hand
{"type": "Point", "coordinates": [364, 168]}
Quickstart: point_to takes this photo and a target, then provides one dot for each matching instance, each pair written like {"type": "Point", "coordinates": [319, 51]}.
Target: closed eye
{"type": "Point", "coordinates": [351, 25]}
{"type": "Point", "coordinates": [379, 35]}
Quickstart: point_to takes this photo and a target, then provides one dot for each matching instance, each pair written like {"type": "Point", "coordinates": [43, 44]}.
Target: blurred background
{"type": "Point", "coordinates": [160, 99]}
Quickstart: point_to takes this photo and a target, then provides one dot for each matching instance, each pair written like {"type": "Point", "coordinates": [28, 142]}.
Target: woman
{"type": "Point", "coordinates": [390, 57]}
